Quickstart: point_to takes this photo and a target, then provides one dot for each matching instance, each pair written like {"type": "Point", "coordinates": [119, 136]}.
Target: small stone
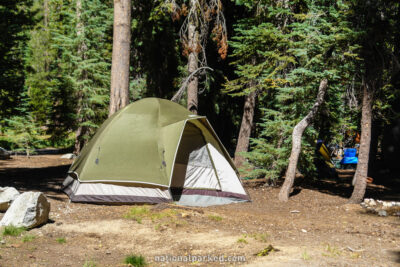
{"type": "Point", "coordinates": [387, 204]}
{"type": "Point", "coordinates": [304, 230]}
{"type": "Point", "coordinates": [294, 211]}
{"type": "Point", "coordinates": [68, 156]}
{"type": "Point", "coordinates": [382, 213]}
{"type": "Point", "coordinates": [185, 215]}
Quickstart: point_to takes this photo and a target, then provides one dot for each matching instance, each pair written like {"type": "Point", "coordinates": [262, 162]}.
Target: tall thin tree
{"type": "Point", "coordinates": [359, 180]}
{"type": "Point", "coordinates": [245, 128]}
{"type": "Point", "coordinates": [79, 142]}
{"type": "Point", "coordinates": [119, 96]}
{"type": "Point", "coordinates": [296, 142]}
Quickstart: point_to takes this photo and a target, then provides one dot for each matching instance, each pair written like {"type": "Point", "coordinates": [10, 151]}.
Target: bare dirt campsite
{"type": "Point", "coordinates": [315, 228]}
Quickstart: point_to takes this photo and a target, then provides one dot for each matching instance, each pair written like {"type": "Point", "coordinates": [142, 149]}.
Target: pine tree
{"type": "Point", "coordinates": [81, 37]}
{"type": "Point", "coordinates": [39, 57]}
{"type": "Point", "coordinates": [302, 43]}
{"type": "Point", "coordinates": [15, 21]}
{"type": "Point", "coordinates": [378, 20]}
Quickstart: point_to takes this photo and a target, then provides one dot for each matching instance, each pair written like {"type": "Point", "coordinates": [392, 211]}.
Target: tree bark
{"type": "Point", "coordinates": [45, 13]}
{"type": "Point", "coordinates": [119, 96]}
{"type": "Point", "coordinates": [296, 142]}
{"type": "Point", "coordinates": [360, 177]}
{"type": "Point", "coordinates": [193, 43]}
{"type": "Point", "coordinates": [46, 29]}
{"type": "Point", "coordinates": [245, 128]}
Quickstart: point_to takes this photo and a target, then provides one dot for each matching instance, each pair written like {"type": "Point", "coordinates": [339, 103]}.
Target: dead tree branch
{"type": "Point", "coordinates": [178, 95]}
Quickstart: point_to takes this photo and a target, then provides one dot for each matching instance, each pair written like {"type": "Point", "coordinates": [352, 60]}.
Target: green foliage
{"type": "Point", "coordinates": [23, 133]}
{"type": "Point", "coordinates": [28, 238]}
{"type": "Point", "coordinates": [81, 38]}
{"type": "Point", "coordinates": [15, 21]}
{"type": "Point", "coordinates": [216, 218]}
{"type": "Point", "coordinates": [38, 57]}
{"type": "Point", "coordinates": [155, 55]}
{"type": "Point", "coordinates": [305, 256]}
{"type": "Point", "coordinates": [135, 260]}
{"type": "Point", "coordinates": [55, 61]}
{"type": "Point", "coordinates": [89, 263]}
{"type": "Point", "coordinates": [137, 213]}
{"type": "Point", "coordinates": [262, 237]}
{"type": "Point", "coordinates": [13, 230]}
{"type": "Point", "coordinates": [242, 240]}
{"type": "Point", "coordinates": [282, 54]}
{"type": "Point", "coordinates": [61, 240]}
{"type": "Point", "coordinates": [266, 251]}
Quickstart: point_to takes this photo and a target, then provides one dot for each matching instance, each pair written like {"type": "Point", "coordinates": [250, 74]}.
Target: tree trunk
{"type": "Point", "coordinates": [79, 142]}
{"type": "Point", "coordinates": [296, 142]}
{"type": "Point", "coordinates": [46, 29]}
{"type": "Point", "coordinates": [45, 13]}
{"type": "Point", "coordinates": [360, 177]}
{"type": "Point", "coordinates": [245, 128]}
{"type": "Point", "coordinates": [193, 43]}
{"type": "Point", "coordinates": [119, 96]}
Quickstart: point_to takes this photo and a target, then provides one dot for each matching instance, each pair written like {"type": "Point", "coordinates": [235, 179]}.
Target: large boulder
{"type": "Point", "coordinates": [28, 210]}
{"type": "Point", "coordinates": [7, 195]}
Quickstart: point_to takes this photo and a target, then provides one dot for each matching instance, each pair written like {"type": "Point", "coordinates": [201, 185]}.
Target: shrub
{"type": "Point", "coordinates": [61, 240]}
{"type": "Point", "coordinates": [134, 260]}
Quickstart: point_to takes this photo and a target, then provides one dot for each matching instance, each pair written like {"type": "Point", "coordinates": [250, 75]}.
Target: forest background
{"type": "Point", "coordinates": [261, 63]}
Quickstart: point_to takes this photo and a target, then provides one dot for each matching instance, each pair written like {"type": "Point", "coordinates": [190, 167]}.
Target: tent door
{"type": "Point", "coordinates": [193, 167]}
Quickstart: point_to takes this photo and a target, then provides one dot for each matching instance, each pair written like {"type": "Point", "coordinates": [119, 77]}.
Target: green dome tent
{"type": "Point", "coordinates": [153, 151]}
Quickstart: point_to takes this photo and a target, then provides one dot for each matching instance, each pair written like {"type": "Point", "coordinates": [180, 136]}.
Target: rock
{"type": "Point", "coordinates": [382, 213]}
{"type": "Point", "coordinates": [68, 156]}
{"type": "Point", "coordinates": [387, 204]}
{"type": "Point", "coordinates": [4, 154]}
{"type": "Point", "coordinates": [370, 202]}
{"type": "Point", "coordinates": [7, 195]}
{"type": "Point", "coordinates": [28, 210]}
{"type": "Point", "coordinates": [185, 215]}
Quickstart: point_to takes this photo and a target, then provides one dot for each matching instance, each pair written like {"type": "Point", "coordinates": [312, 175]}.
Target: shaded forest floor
{"type": "Point", "coordinates": [315, 228]}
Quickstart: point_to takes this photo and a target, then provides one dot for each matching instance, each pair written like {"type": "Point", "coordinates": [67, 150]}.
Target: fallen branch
{"type": "Point", "coordinates": [179, 93]}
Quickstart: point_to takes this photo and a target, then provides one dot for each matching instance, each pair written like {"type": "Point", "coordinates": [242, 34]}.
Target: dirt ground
{"type": "Point", "coordinates": [315, 228]}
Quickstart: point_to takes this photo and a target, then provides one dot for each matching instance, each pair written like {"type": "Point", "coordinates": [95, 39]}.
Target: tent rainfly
{"type": "Point", "coordinates": [154, 151]}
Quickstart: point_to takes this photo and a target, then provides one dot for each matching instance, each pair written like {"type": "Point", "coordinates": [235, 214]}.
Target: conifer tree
{"type": "Point", "coordinates": [15, 21]}
{"type": "Point", "coordinates": [302, 43]}
{"type": "Point", "coordinates": [81, 38]}
{"type": "Point", "coordinates": [39, 57]}
{"type": "Point", "coordinates": [378, 21]}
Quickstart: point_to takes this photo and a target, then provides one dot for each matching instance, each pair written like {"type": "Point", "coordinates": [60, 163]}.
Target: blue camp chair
{"type": "Point", "coordinates": [349, 156]}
